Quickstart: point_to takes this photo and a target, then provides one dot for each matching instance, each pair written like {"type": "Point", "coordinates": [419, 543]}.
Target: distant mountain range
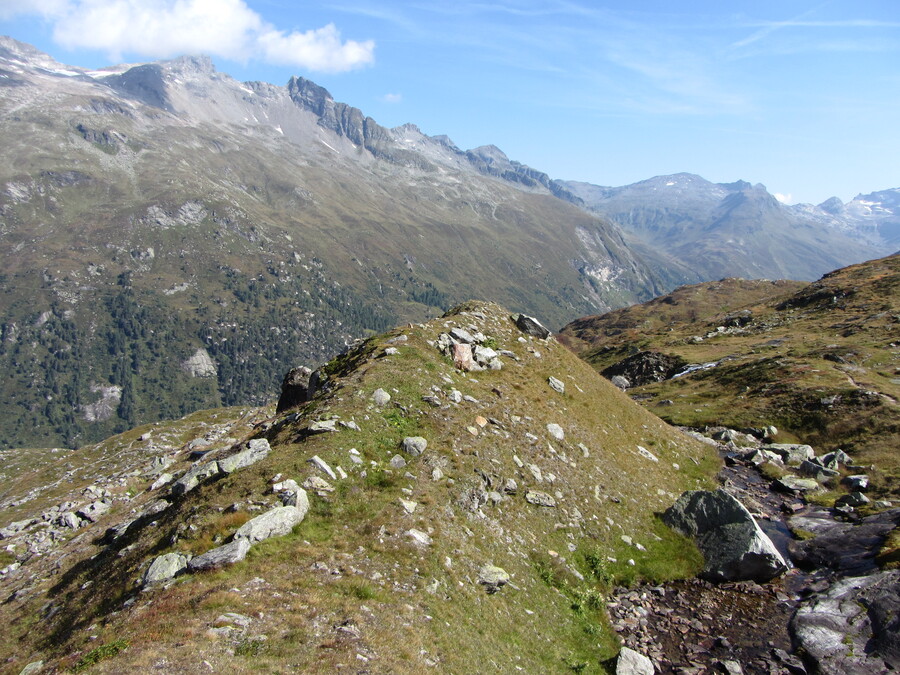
{"type": "Point", "coordinates": [175, 239]}
{"type": "Point", "coordinates": [712, 230]}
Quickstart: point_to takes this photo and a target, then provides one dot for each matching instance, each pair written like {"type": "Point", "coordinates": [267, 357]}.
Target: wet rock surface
{"type": "Point", "coordinates": [835, 608]}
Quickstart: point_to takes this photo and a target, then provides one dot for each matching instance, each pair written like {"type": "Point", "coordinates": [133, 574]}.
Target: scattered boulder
{"type": "Point", "coordinates": [539, 498]}
{"type": "Point", "coordinates": [322, 427]}
{"type": "Point", "coordinates": [414, 445]}
{"type": "Point", "coordinates": [93, 511]}
{"type": "Point", "coordinates": [165, 567]}
{"type": "Point", "coordinates": [230, 553]}
{"type": "Point", "coordinates": [492, 578]}
{"type": "Point", "coordinates": [620, 382]}
{"type": "Point", "coordinates": [462, 357]}
{"type": "Point", "coordinates": [631, 662]}
{"type": "Point", "coordinates": [556, 431]}
{"type": "Point", "coordinates": [323, 466]}
{"type": "Point", "coordinates": [556, 385]}
{"type": "Point", "coordinates": [734, 546]}
{"type": "Point", "coordinates": [759, 456]}
{"type": "Point", "coordinates": [816, 471]}
{"type": "Point", "coordinates": [835, 459]}
{"type": "Point", "coordinates": [419, 538]}
{"type": "Point", "coordinates": [853, 627]}
{"type": "Point", "coordinates": [294, 389]}
{"type": "Point", "coordinates": [854, 499]}
{"type": "Point", "coordinates": [381, 397]}
{"type": "Point", "coordinates": [857, 482]}
{"type": "Point", "coordinates": [530, 326]}
{"type": "Point", "coordinates": [791, 453]}
{"type": "Point", "coordinates": [318, 485]}
{"type": "Point", "coordinates": [276, 522]}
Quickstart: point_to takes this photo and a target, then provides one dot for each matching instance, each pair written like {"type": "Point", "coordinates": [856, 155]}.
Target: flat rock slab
{"type": "Point", "coordinates": [853, 628]}
{"type": "Point", "coordinates": [849, 548]}
{"type": "Point", "coordinates": [219, 557]}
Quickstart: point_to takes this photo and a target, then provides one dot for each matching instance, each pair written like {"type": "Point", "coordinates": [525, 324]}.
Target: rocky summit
{"type": "Point", "coordinates": [414, 514]}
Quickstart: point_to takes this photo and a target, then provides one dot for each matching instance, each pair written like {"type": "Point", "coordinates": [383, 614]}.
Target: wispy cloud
{"type": "Point", "coordinates": [392, 98]}
{"type": "Point", "coordinates": [163, 28]}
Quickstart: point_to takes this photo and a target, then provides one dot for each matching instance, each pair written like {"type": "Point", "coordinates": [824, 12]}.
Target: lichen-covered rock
{"type": "Point", "coordinates": [734, 546]}
{"type": "Point", "coordinates": [165, 567]}
{"type": "Point", "coordinates": [414, 445]}
{"type": "Point", "coordinates": [493, 578]}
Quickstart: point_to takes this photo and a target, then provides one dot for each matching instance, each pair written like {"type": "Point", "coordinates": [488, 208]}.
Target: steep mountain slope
{"type": "Point", "coordinates": [540, 468]}
{"type": "Point", "coordinates": [174, 239]}
{"type": "Point", "coordinates": [715, 230]}
{"type": "Point", "coordinates": [821, 362]}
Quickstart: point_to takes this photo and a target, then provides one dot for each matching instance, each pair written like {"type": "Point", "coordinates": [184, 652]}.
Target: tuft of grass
{"type": "Point", "coordinates": [101, 653]}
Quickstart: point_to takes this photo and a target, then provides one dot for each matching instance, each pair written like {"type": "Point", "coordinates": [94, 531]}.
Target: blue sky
{"type": "Point", "coordinates": [803, 96]}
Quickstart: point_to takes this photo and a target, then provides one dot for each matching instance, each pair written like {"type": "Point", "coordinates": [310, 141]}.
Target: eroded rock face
{"type": "Point", "coordinates": [734, 546]}
{"type": "Point", "coordinates": [853, 627]}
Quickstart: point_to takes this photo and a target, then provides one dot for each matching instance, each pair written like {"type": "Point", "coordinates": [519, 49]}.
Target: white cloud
{"type": "Point", "coordinates": [784, 199]}
{"type": "Point", "coordinates": [165, 28]}
{"type": "Point", "coordinates": [392, 98]}
{"type": "Point", "coordinates": [319, 49]}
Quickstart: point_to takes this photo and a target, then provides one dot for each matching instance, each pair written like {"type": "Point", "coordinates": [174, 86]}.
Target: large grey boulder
{"type": "Point", "coordinates": [631, 662]}
{"type": "Point", "coordinates": [255, 450]}
{"type": "Point", "coordinates": [165, 567]}
{"type": "Point", "coordinates": [734, 546]}
{"type": "Point", "coordinates": [228, 554]}
{"type": "Point", "coordinates": [853, 628]}
{"type": "Point", "coordinates": [531, 326]}
{"type": "Point", "coordinates": [276, 522]}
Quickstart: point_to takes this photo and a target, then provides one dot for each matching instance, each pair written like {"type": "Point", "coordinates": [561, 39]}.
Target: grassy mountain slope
{"type": "Point", "coordinates": [349, 587]}
{"type": "Point", "coordinates": [819, 361]}
{"type": "Point", "coordinates": [149, 213]}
